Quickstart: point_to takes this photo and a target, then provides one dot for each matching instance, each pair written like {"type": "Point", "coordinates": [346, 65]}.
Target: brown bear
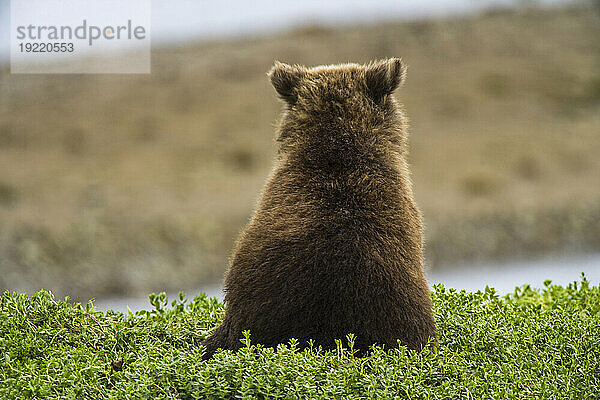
{"type": "Point", "coordinates": [335, 245]}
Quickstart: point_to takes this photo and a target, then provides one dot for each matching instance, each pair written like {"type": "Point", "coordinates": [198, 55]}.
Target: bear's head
{"type": "Point", "coordinates": [340, 111]}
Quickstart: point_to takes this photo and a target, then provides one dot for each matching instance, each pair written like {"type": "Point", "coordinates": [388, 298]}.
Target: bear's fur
{"type": "Point", "coordinates": [335, 244]}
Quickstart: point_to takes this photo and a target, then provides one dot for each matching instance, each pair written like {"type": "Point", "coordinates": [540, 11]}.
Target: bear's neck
{"type": "Point", "coordinates": [351, 175]}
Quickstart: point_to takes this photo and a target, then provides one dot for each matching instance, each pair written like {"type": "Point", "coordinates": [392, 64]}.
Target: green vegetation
{"type": "Point", "coordinates": [530, 344]}
{"type": "Point", "coordinates": [140, 183]}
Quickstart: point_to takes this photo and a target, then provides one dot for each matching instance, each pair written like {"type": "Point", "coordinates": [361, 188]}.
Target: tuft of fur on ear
{"type": "Point", "coordinates": [383, 77]}
{"type": "Point", "coordinates": [285, 79]}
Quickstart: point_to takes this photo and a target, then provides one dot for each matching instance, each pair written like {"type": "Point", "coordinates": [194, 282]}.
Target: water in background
{"type": "Point", "coordinates": [176, 21]}
{"type": "Point", "coordinates": [502, 277]}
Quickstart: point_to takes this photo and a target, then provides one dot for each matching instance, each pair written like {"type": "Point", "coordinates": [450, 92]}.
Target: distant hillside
{"type": "Point", "coordinates": [115, 183]}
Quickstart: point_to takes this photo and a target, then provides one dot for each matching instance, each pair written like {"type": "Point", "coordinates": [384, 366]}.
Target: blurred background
{"type": "Point", "coordinates": [114, 186]}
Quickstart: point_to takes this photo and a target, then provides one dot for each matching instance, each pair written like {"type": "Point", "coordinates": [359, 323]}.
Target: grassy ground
{"type": "Point", "coordinates": [530, 344]}
{"type": "Point", "coordinates": [112, 184]}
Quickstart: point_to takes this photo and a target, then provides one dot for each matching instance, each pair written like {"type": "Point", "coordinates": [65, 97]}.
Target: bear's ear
{"type": "Point", "coordinates": [285, 79]}
{"type": "Point", "coordinates": [383, 77]}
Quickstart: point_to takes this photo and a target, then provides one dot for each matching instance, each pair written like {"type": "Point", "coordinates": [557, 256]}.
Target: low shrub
{"type": "Point", "coordinates": [530, 344]}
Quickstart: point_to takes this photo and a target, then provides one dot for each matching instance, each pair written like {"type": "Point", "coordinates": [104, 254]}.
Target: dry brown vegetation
{"type": "Point", "coordinates": [133, 183]}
